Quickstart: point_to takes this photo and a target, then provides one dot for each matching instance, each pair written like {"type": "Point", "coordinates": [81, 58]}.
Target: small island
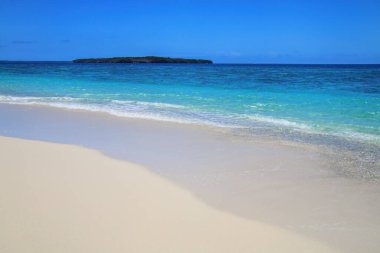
{"type": "Point", "coordinates": [146, 59]}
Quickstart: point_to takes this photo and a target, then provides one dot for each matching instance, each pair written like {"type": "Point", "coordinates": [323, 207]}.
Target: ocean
{"type": "Point", "coordinates": [334, 101]}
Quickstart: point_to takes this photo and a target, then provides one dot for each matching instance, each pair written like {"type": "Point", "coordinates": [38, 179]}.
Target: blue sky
{"type": "Point", "coordinates": [225, 31]}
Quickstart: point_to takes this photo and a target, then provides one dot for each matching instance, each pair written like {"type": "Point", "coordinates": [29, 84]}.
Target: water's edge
{"type": "Point", "coordinates": [349, 157]}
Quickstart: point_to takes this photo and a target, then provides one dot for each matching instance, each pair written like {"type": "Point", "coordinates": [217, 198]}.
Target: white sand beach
{"type": "Point", "coordinates": [63, 198]}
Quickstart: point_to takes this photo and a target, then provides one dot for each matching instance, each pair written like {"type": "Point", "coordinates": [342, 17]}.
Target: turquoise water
{"type": "Point", "coordinates": [333, 100]}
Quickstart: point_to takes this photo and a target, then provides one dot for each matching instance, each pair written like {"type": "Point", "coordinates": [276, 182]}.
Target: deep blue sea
{"type": "Point", "coordinates": [332, 100]}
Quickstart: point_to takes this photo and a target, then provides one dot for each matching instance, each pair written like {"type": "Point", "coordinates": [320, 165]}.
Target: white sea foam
{"type": "Point", "coordinates": [371, 138]}
{"type": "Point", "coordinates": [153, 104]}
{"type": "Point", "coordinates": [345, 133]}
{"type": "Point", "coordinates": [31, 100]}
{"type": "Point", "coordinates": [280, 122]}
{"type": "Point", "coordinates": [130, 109]}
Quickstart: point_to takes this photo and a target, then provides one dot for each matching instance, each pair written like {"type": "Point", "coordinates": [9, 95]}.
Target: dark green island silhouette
{"type": "Point", "coordinates": [146, 59]}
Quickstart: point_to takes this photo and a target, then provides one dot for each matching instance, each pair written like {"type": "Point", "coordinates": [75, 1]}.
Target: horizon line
{"type": "Point", "coordinates": [237, 63]}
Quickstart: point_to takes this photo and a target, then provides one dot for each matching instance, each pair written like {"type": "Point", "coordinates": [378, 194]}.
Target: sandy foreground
{"type": "Point", "coordinates": [64, 198]}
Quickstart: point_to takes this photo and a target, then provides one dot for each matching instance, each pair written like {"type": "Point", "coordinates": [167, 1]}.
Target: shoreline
{"type": "Point", "coordinates": [361, 159]}
{"type": "Point", "coordinates": [260, 125]}
{"type": "Point", "coordinates": [274, 183]}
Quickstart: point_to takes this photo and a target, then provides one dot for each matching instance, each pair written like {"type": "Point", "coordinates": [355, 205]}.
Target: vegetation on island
{"type": "Point", "coordinates": [146, 59]}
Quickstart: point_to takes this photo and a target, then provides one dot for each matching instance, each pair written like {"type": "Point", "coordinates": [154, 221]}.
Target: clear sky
{"type": "Point", "coordinates": [225, 31]}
